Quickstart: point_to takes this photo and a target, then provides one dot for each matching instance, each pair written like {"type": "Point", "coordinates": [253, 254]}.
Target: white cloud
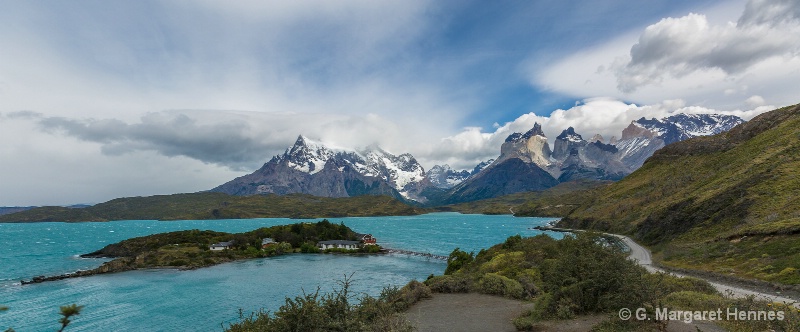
{"type": "Point", "coordinates": [677, 47]}
{"type": "Point", "coordinates": [604, 116]}
{"type": "Point", "coordinates": [704, 59]}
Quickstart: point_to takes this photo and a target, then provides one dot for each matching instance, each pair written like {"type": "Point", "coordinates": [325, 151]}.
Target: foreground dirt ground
{"type": "Point", "coordinates": [478, 313]}
{"type": "Point", "coordinates": [466, 312]}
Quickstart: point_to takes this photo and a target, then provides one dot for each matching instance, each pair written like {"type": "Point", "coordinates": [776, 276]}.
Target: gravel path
{"type": "Point", "coordinates": [465, 313]}
{"type": "Point", "coordinates": [643, 257]}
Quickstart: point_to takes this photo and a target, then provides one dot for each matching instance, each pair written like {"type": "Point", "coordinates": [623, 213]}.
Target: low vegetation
{"type": "Point", "coordinates": [339, 310]}
{"type": "Point", "coordinates": [207, 205]}
{"type": "Point", "coordinates": [557, 201]}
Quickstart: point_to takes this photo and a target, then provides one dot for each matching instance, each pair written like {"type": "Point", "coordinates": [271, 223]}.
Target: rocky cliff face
{"type": "Point", "coordinates": [530, 147]}
{"type": "Point", "coordinates": [565, 143]}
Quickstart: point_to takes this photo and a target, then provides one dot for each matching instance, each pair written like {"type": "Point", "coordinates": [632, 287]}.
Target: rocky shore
{"type": "Point", "coordinates": [117, 265]}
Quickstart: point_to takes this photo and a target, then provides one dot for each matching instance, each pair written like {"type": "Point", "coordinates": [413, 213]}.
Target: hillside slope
{"type": "Point", "coordinates": [208, 205]}
{"type": "Point", "coordinates": [728, 203]}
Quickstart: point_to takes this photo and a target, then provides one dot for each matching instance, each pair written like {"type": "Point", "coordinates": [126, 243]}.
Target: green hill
{"type": "Point", "coordinates": [728, 203]}
{"type": "Point", "coordinates": [220, 206]}
{"type": "Point", "coordinates": [556, 201]}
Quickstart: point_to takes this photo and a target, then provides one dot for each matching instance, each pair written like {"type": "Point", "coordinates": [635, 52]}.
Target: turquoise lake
{"type": "Point", "coordinates": [208, 299]}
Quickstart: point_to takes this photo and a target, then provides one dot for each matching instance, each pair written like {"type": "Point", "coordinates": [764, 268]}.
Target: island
{"type": "Point", "coordinates": [191, 249]}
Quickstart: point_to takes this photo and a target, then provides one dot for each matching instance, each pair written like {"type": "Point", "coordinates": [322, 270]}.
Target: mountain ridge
{"type": "Point", "coordinates": [315, 168]}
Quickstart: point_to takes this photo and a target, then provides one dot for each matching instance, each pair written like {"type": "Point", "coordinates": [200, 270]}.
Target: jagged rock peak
{"type": "Point", "coordinates": [481, 166]}
{"type": "Point", "coordinates": [535, 131]}
{"type": "Point", "coordinates": [635, 129]}
{"type": "Point", "coordinates": [569, 134]}
{"type": "Point", "coordinates": [599, 138]}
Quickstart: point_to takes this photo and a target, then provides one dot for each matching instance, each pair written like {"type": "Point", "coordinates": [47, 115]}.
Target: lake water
{"type": "Point", "coordinates": [208, 299]}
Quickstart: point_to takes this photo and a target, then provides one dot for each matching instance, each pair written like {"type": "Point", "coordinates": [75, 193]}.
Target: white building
{"type": "Point", "coordinates": [221, 246]}
{"type": "Point", "coordinates": [339, 244]}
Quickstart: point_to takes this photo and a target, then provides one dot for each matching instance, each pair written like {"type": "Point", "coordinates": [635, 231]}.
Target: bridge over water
{"type": "Point", "coordinates": [414, 253]}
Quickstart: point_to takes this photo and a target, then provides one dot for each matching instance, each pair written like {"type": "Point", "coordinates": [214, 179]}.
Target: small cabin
{"type": "Point", "coordinates": [366, 239]}
{"type": "Point", "coordinates": [266, 242]}
{"type": "Point", "coordinates": [339, 244]}
{"type": "Point", "coordinates": [221, 246]}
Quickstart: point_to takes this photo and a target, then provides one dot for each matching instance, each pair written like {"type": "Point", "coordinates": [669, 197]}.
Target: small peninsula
{"type": "Point", "coordinates": [191, 249]}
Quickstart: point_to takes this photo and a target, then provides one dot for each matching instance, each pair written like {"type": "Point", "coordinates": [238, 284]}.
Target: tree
{"type": "Point", "coordinates": [68, 311]}
{"type": "Point", "coordinates": [457, 260]}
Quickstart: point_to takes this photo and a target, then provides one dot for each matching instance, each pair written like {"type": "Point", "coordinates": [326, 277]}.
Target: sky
{"type": "Point", "coordinates": [106, 99]}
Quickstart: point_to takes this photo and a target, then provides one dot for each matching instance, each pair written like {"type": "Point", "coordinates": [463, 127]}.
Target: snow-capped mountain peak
{"type": "Point", "coordinates": [307, 155]}
{"type": "Point", "coordinates": [402, 172]}
{"type": "Point", "coordinates": [569, 134]}
{"type": "Point", "coordinates": [683, 126]}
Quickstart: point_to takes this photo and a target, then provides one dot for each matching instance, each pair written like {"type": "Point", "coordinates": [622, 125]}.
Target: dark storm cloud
{"type": "Point", "coordinates": [228, 142]}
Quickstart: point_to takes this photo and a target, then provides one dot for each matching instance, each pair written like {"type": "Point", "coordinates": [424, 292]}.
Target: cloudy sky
{"type": "Point", "coordinates": [103, 99]}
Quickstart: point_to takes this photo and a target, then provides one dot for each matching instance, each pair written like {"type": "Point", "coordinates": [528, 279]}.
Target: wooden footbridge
{"type": "Point", "coordinates": [414, 253]}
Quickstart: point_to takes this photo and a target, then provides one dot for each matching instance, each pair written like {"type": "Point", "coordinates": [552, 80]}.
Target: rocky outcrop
{"type": "Point", "coordinates": [565, 143]}
{"type": "Point", "coordinates": [530, 147]}
{"type": "Point", "coordinates": [117, 265]}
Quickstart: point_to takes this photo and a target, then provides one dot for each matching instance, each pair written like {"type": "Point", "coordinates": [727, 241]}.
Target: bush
{"type": "Point", "coordinates": [495, 284]}
{"type": "Point", "coordinates": [308, 247]}
{"type": "Point", "coordinates": [691, 300]}
{"type": "Point", "coordinates": [457, 260]}
{"type": "Point", "coordinates": [336, 312]}
{"type": "Point", "coordinates": [411, 293]}
{"type": "Point", "coordinates": [449, 284]}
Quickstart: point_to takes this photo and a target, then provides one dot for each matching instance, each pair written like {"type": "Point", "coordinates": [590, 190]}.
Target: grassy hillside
{"type": "Point", "coordinates": [220, 206]}
{"type": "Point", "coordinates": [729, 203]}
{"type": "Point", "coordinates": [557, 201]}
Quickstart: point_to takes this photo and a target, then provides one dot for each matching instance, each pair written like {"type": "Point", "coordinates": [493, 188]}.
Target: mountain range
{"type": "Point", "coordinates": [311, 167]}
{"type": "Point", "coordinates": [525, 163]}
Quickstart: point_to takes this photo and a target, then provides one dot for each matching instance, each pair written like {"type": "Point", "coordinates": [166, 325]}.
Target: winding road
{"type": "Point", "coordinates": [643, 257]}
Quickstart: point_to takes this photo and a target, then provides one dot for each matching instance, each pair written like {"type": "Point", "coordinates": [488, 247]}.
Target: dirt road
{"type": "Point", "coordinates": [642, 256]}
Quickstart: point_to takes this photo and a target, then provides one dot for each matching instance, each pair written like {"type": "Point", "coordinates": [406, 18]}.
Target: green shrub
{"type": "Point", "coordinates": [457, 260]}
{"type": "Point", "coordinates": [178, 262]}
{"type": "Point", "coordinates": [308, 247]}
{"type": "Point", "coordinates": [411, 293]}
{"type": "Point", "coordinates": [449, 284]}
{"type": "Point", "coordinates": [692, 300]}
{"type": "Point", "coordinates": [495, 284]}
{"type": "Point", "coordinates": [337, 311]}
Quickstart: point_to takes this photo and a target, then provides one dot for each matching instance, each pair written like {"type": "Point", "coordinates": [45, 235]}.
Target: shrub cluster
{"type": "Point", "coordinates": [339, 311]}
